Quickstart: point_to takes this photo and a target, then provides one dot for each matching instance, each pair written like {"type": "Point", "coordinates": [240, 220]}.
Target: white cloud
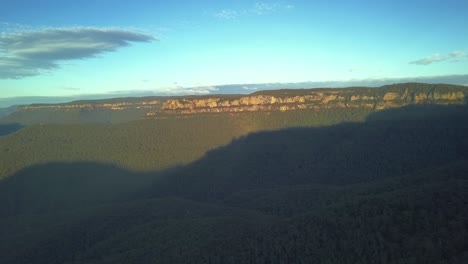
{"type": "Point", "coordinates": [258, 8]}
{"type": "Point", "coordinates": [250, 88]}
{"type": "Point", "coordinates": [452, 56]}
{"type": "Point", "coordinates": [262, 8]}
{"type": "Point", "coordinates": [32, 53]}
{"type": "Point", "coordinates": [180, 90]}
{"type": "Point", "coordinates": [226, 14]}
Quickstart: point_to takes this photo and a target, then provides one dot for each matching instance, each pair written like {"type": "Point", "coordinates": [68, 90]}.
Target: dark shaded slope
{"type": "Point", "coordinates": [138, 231]}
{"type": "Point", "coordinates": [420, 112]}
{"type": "Point", "coordinates": [6, 129]}
{"type": "Point", "coordinates": [390, 190]}
{"type": "Point", "coordinates": [417, 217]}
{"type": "Point", "coordinates": [61, 186]}
{"type": "Point", "coordinates": [336, 155]}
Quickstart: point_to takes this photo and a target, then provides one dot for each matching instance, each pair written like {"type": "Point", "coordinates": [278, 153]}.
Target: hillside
{"type": "Point", "coordinates": [152, 133]}
{"type": "Point", "coordinates": [391, 189]}
{"type": "Point", "coordinates": [7, 110]}
{"type": "Point", "coordinates": [148, 144]}
{"type": "Point", "coordinates": [127, 109]}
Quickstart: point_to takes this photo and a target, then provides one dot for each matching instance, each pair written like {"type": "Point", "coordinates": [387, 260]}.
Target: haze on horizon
{"type": "Point", "coordinates": [73, 48]}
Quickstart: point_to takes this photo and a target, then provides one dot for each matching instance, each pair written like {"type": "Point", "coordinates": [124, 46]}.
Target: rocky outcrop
{"type": "Point", "coordinates": [370, 98]}
{"type": "Point", "coordinates": [282, 100]}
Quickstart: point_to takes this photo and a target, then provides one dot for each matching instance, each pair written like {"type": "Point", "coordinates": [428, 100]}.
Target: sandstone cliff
{"type": "Point", "coordinates": [282, 100]}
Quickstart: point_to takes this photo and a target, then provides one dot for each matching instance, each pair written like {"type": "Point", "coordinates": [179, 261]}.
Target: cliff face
{"type": "Point", "coordinates": [284, 100]}
{"type": "Point", "coordinates": [370, 98]}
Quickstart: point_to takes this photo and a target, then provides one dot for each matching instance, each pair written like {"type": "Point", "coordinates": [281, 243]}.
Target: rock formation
{"type": "Point", "coordinates": [281, 100]}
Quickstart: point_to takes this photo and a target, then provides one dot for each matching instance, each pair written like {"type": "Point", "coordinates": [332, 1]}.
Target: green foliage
{"type": "Point", "coordinates": [389, 190]}
{"type": "Point", "coordinates": [148, 144]}
{"type": "Point", "coordinates": [341, 154]}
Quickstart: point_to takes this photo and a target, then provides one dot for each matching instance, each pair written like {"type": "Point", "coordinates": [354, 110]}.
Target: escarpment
{"type": "Point", "coordinates": [284, 100]}
{"type": "Point", "coordinates": [385, 97]}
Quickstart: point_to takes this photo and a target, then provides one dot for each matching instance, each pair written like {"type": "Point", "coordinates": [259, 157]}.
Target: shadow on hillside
{"type": "Point", "coordinates": [6, 129]}
{"type": "Point", "coordinates": [66, 185]}
{"type": "Point", "coordinates": [408, 139]}
{"type": "Point", "coordinates": [419, 112]}
{"type": "Point", "coordinates": [342, 154]}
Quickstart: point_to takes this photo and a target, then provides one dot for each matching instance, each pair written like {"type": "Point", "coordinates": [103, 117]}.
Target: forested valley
{"type": "Point", "coordinates": [389, 187]}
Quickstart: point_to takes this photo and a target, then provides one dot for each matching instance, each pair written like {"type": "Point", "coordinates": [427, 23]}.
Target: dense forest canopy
{"type": "Point", "coordinates": [131, 139]}
{"type": "Point", "coordinates": [390, 188]}
{"type": "Point", "coordinates": [233, 132]}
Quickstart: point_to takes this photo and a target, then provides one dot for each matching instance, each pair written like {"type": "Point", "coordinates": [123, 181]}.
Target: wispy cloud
{"type": "Point", "coordinates": [452, 56]}
{"type": "Point", "coordinates": [181, 90]}
{"type": "Point", "coordinates": [258, 8]}
{"type": "Point", "coordinates": [249, 88]}
{"type": "Point", "coordinates": [227, 14]}
{"type": "Point", "coordinates": [36, 52]}
{"type": "Point", "coordinates": [16, 68]}
{"type": "Point", "coordinates": [262, 8]}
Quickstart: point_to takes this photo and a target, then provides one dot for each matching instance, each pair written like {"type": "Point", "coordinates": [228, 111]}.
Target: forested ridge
{"type": "Point", "coordinates": [148, 144]}
{"type": "Point", "coordinates": [121, 110]}
{"type": "Point", "coordinates": [390, 189]}
{"type": "Point", "coordinates": [120, 132]}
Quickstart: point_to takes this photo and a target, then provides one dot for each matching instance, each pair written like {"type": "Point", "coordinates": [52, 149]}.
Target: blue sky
{"type": "Point", "coordinates": [64, 48]}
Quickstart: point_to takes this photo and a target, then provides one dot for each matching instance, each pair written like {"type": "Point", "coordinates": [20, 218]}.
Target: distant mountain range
{"type": "Point", "coordinates": [237, 89]}
{"type": "Point", "coordinates": [120, 110]}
